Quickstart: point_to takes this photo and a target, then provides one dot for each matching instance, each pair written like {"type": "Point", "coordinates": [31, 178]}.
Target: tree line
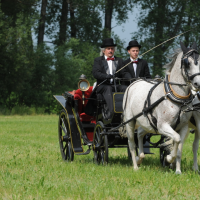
{"type": "Point", "coordinates": [45, 45]}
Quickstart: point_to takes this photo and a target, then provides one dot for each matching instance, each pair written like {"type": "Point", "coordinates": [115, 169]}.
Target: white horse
{"type": "Point", "coordinates": [195, 146]}
{"type": "Point", "coordinates": [193, 125]}
{"type": "Point", "coordinates": [166, 112]}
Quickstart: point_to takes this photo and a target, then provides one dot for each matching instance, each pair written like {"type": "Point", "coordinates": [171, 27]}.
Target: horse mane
{"type": "Point", "coordinates": [173, 57]}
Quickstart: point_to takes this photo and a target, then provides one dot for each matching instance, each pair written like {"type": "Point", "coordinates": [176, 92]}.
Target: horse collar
{"type": "Point", "coordinates": [173, 96]}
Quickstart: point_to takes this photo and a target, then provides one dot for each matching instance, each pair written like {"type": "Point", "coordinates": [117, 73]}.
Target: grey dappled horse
{"type": "Point", "coordinates": [186, 75]}
{"type": "Point", "coordinates": [196, 127]}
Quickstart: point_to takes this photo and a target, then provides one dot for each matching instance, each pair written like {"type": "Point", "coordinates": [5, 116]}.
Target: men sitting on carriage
{"type": "Point", "coordinates": [138, 67]}
{"type": "Point", "coordinates": [104, 68]}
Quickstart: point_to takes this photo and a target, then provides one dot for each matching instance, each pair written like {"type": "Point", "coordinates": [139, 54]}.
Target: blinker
{"type": "Point", "coordinates": [186, 63]}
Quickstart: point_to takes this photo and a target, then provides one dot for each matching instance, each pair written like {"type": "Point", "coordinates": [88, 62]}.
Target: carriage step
{"type": "Point", "coordinates": [87, 152]}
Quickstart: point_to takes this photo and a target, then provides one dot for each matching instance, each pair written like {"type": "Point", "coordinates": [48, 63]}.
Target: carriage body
{"type": "Point", "coordinates": [76, 128]}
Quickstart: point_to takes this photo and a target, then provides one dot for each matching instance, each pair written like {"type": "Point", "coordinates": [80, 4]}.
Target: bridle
{"type": "Point", "coordinates": [185, 65]}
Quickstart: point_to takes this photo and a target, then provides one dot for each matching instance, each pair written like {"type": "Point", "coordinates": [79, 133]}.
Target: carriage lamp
{"type": "Point", "coordinates": [83, 85]}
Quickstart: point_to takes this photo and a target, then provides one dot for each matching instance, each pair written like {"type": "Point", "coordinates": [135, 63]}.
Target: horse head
{"type": "Point", "coordinates": [190, 66]}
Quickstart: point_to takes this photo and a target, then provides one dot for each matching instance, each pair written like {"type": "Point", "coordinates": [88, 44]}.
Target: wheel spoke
{"type": "Point", "coordinates": [64, 147]}
{"type": "Point", "coordinates": [69, 151]}
{"type": "Point", "coordinates": [64, 128]}
{"type": "Point", "coordinates": [98, 135]}
{"type": "Point", "coordinates": [66, 155]}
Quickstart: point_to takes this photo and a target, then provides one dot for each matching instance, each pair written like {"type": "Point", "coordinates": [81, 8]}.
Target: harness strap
{"type": "Point", "coordinates": [148, 101]}
{"type": "Point", "coordinates": [172, 83]}
{"type": "Point", "coordinates": [176, 94]}
{"type": "Point", "coordinates": [192, 76]}
{"type": "Point", "coordinates": [144, 111]}
{"type": "Point", "coordinates": [178, 119]}
{"type": "Point", "coordinates": [168, 93]}
{"type": "Point", "coordinates": [173, 96]}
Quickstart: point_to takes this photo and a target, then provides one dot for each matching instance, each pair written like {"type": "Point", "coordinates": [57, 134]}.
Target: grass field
{"type": "Point", "coordinates": [31, 168]}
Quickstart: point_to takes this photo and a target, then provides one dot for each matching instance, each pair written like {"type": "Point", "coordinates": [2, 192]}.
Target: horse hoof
{"type": "Point", "coordinates": [169, 159]}
{"type": "Point", "coordinates": [142, 155]}
{"type": "Point", "coordinates": [138, 160]}
{"type": "Point", "coordinates": [196, 169]}
{"type": "Point", "coordinates": [136, 168]}
{"type": "Point", "coordinates": [197, 172]}
{"type": "Point", "coordinates": [178, 172]}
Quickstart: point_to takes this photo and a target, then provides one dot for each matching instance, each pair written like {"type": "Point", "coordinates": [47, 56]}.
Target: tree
{"type": "Point", "coordinates": [41, 26]}
{"type": "Point", "coordinates": [159, 20]}
{"type": "Point", "coordinates": [63, 23]}
{"type": "Point", "coordinates": [191, 21]}
{"type": "Point", "coordinates": [109, 5]}
{"type": "Point", "coordinates": [118, 9]}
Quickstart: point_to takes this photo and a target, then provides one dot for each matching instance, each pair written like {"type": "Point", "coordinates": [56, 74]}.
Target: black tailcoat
{"type": "Point", "coordinates": [100, 72]}
{"type": "Point", "coordinates": [142, 69]}
{"type": "Point", "coordinates": [101, 68]}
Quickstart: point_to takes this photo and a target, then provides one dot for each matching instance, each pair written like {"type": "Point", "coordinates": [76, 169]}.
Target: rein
{"type": "Point", "coordinates": [169, 93]}
{"type": "Point", "coordinates": [152, 49]}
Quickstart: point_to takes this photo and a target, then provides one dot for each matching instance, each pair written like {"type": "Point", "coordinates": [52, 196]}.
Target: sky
{"type": "Point", "coordinates": [124, 31]}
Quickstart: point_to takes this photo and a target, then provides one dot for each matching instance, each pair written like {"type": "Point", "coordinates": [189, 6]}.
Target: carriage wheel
{"type": "Point", "coordinates": [100, 145]}
{"type": "Point", "coordinates": [64, 138]}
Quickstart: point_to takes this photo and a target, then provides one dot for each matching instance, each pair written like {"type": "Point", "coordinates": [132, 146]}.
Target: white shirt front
{"type": "Point", "coordinates": [134, 65]}
{"type": "Point", "coordinates": [110, 66]}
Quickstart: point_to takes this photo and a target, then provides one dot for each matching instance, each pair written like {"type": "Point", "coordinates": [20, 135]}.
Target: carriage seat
{"type": "Point", "coordinates": [88, 122]}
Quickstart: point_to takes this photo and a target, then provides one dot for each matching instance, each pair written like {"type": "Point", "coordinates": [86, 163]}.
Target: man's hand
{"type": "Point", "coordinates": [109, 76]}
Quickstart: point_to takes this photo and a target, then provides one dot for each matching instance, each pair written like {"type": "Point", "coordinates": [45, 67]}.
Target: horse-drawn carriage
{"type": "Point", "coordinates": [76, 128]}
{"type": "Point", "coordinates": [167, 112]}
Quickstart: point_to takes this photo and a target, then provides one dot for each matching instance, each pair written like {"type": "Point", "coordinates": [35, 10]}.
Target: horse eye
{"type": "Point", "coordinates": [186, 63]}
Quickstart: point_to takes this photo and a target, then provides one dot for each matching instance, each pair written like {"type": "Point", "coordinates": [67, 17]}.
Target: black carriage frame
{"type": "Point", "coordinates": [72, 132]}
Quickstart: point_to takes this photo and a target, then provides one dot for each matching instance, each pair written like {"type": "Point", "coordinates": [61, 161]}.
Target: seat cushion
{"type": "Point", "coordinates": [78, 96]}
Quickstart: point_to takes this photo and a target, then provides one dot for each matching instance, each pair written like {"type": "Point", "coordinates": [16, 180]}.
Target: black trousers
{"type": "Point", "coordinates": [106, 91]}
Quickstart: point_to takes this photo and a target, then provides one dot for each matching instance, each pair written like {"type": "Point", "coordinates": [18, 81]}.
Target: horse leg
{"type": "Point", "coordinates": [167, 130]}
{"type": "Point", "coordinates": [183, 134]}
{"type": "Point", "coordinates": [196, 141]}
{"type": "Point", "coordinates": [195, 149]}
{"type": "Point", "coordinates": [140, 133]}
{"type": "Point", "coordinates": [130, 127]}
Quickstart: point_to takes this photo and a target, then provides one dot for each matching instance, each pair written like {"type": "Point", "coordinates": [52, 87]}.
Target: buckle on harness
{"type": "Point", "coordinates": [167, 94]}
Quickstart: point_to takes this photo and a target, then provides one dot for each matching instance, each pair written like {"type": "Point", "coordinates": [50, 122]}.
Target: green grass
{"type": "Point", "coordinates": [31, 168]}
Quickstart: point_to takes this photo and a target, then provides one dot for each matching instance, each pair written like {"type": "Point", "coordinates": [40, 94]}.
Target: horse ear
{"type": "Point", "coordinates": [194, 46]}
{"type": "Point", "coordinates": [184, 49]}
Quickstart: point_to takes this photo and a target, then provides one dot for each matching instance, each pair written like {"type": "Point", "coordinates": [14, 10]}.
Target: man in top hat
{"type": "Point", "coordinates": [104, 68]}
{"type": "Point", "coordinates": [138, 67]}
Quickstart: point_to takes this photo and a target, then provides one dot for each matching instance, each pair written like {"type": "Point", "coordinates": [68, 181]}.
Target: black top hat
{"type": "Point", "coordinates": [108, 42]}
{"type": "Point", "coordinates": [133, 43]}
